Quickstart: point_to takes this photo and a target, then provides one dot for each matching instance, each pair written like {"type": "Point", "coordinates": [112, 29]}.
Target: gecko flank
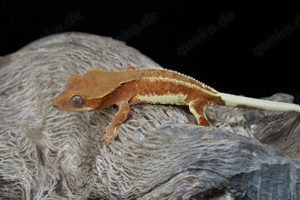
{"type": "Point", "coordinates": [98, 89]}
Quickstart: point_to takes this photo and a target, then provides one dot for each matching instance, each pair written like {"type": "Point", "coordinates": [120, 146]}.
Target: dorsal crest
{"type": "Point", "coordinates": [97, 83]}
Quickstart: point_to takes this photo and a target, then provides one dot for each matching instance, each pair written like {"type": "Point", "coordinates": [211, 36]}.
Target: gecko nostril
{"type": "Point", "coordinates": [54, 103]}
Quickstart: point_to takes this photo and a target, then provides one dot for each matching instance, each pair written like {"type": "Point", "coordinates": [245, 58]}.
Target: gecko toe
{"type": "Point", "coordinates": [107, 141]}
{"type": "Point", "coordinates": [103, 129]}
{"type": "Point", "coordinates": [102, 137]}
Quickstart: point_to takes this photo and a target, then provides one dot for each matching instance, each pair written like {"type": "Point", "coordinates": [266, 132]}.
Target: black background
{"type": "Point", "coordinates": [229, 55]}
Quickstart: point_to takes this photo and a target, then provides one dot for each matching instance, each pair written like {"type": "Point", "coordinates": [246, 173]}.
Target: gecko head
{"type": "Point", "coordinates": [78, 96]}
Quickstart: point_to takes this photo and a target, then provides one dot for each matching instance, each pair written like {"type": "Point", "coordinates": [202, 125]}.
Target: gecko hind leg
{"type": "Point", "coordinates": [122, 114]}
{"type": "Point", "coordinates": [197, 108]}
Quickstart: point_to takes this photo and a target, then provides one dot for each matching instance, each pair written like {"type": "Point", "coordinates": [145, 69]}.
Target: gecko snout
{"type": "Point", "coordinates": [54, 104]}
{"type": "Point", "coordinates": [57, 104]}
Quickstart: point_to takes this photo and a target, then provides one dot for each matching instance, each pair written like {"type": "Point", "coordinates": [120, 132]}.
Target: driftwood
{"type": "Point", "coordinates": [47, 154]}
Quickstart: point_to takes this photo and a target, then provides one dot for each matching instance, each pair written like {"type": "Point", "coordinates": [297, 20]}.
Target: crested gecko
{"type": "Point", "coordinates": [98, 89]}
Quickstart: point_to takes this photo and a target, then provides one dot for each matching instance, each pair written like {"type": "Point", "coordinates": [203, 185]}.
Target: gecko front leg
{"type": "Point", "coordinates": [122, 114]}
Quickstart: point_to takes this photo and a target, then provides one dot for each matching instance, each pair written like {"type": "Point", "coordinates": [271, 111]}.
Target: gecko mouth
{"type": "Point", "coordinates": [73, 109]}
{"type": "Point", "coordinates": [80, 109]}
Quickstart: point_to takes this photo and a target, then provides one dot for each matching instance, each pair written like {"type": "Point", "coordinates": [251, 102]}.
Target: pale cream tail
{"type": "Point", "coordinates": [246, 102]}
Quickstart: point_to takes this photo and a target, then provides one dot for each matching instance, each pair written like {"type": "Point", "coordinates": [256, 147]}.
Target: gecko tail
{"type": "Point", "coordinates": [246, 102]}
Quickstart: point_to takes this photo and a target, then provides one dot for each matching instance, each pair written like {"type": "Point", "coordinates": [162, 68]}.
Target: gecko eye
{"type": "Point", "coordinates": [77, 100]}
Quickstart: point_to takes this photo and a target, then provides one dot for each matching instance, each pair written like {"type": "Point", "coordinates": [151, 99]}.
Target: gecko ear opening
{"type": "Point", "coordinates": [72, 78]}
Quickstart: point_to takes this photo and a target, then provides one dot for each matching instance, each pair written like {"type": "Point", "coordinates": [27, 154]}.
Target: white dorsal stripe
{"type": "Point", "coordinates": [163, 99]}
{"type": "Point", "coordinates": [233, 100]}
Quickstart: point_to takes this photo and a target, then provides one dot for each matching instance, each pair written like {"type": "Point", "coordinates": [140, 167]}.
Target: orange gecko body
{"type": "Point", "coordinates": [98, 89]}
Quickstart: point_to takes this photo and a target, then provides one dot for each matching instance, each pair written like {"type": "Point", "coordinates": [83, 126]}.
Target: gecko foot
{"type": "Point", "coordinates": [108, 136]}
{"type": "Point", "coordinates": [107, 140]}
{"type": "Point", "coordinates": [190, 123]}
